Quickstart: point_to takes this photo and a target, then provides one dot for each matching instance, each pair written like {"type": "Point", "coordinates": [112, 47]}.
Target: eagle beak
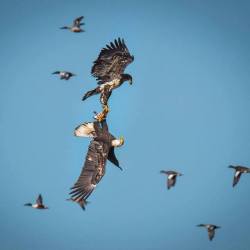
{"type": "Point", "coordinates": [121, 140]}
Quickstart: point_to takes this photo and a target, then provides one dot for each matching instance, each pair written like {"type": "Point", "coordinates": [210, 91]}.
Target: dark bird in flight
{"type": "Point", "coordinates": [64, 74]}
{"type": "Point", "coordinates": [108, 69]}
{"type": "Point", "coordinates": [76, 27]}
{"type": "Point", "coordinates": [210, 229]}
{"type": "Point", "coordinates": [238, 171]}
{"type": "Point", "coordinates": [171, 177]}
{"type": "Point", "coordinates": [100, 150]}
{"type": "Point", "coordinates": [39, 203]}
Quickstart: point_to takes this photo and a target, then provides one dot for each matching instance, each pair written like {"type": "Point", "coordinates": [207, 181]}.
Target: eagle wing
{"type": "Point", "coordinates": [112, 61]}
{"type": "Point", "coordinates": [92, 171]}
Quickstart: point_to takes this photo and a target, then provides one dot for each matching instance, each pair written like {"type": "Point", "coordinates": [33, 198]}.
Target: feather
{"type": "Point", "coordinates": [112, 61]}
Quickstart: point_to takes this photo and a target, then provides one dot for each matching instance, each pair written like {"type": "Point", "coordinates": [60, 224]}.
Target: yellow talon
{"type": "Point", "coordinates": [100, 117]}
{"type": "Point", "coordinates": [106, 109]}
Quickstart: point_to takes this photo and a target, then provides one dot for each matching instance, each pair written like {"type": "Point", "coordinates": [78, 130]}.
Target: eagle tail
{"type": "Point", "coordinates": [90, 93]}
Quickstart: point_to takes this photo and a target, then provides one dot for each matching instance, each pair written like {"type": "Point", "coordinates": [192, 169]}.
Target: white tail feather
{"type": "Point", "coordinates": [85, 130]}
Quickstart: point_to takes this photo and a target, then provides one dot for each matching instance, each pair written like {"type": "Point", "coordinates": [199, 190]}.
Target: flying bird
{"type": "Point", "coordinates": [39, 203]}
{"type": "Point", "coordinates": [108, 69]}
{"type": "Point", "coordinates": [76, 27]}
{"type": "Point", "coordinates": [210, 229]}
{"type": "Point", "coordinates": [238, 171]}
{"type": "Point", "coordinates": [171, 177]}
{"type": "Point", "coordinates": [100, 150]}
{"type": "Point", "coordinates": [64, 74]}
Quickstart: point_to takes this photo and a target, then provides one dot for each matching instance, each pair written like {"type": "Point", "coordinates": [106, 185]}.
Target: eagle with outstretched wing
{"type": "Point", "coordinates": [109, 69]}
{"type": "Point", "coordinates": [100, 150]}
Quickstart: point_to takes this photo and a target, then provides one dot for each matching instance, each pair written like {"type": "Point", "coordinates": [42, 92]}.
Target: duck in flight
{"type": "Point", "coordinates": [39, 203]}
{"type": "Point", "coordinates": [171, 177]}
{"type": "Point", "coordinates": [238, 171]}
{"type": "Point", "coordinates": [64, 75]}
{"type": "Point", "coordinates": [76, 27]}
{"type": "Point", "coordinates": [210, 229]}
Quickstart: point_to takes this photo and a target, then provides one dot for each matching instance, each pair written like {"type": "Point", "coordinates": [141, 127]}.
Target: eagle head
{"type": "Point", "coordinates": [118, 142]}
{"type": "Point", "coordinates": [127, 77]}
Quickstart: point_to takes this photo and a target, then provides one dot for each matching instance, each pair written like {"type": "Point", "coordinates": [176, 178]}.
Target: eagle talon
{"type": "Point", "coordinates": [100, 116]}
{"type": "Point", "coordinates": [105, 110]}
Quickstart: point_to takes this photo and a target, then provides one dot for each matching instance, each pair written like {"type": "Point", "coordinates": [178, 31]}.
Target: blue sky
{"type": "Point", "coordinates": [188, 110]}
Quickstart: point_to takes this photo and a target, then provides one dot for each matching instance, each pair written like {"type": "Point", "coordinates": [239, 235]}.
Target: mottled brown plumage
{"type": "Point", "coordinates": [109, 69]}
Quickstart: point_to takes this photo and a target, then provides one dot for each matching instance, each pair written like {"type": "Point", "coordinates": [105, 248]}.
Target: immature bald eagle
{"type": "Point", "coordinates": [109, 69]}
{"type": "Point", "coordinates": [100, 150]}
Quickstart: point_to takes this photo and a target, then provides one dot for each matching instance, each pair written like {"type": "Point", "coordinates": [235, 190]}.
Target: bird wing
{"type": "Point", "coordinates": [211, 233]}
{"type": "Point", "coordinates": [92, 171]}
{"type": "Point", "coordinates": [39, 200]}
{"type": "Point", "coordinates": [77, 21]}
{"type": "Point", "coordinates": [112, 158]}
{"type": "Point", "coordinates": [171, 182]}
{"type": "Point", "coordinates": [237, 176]}
{"type": "Point", "coordinates": [87, 129]}
{"type": "Point", "coordinates": [112, 61]}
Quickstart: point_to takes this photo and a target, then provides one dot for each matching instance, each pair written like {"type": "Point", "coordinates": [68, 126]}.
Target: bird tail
{"type": "Point", "coordinates": [231, 166]}
{"type": "Point", "coordinates": [86, 129]}
{"type": "Point", "coordinates": [90, 93]}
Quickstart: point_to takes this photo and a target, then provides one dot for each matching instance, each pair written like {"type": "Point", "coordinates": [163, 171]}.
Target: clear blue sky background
{"type": "Point", "coordinates": [188, 110]}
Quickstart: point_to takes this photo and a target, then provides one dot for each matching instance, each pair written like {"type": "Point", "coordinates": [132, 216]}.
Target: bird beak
{"type": "Point", "coordinates": [121, 140]}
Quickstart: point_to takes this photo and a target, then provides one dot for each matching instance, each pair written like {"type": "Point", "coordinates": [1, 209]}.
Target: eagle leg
{"type": "Point", "coordinates": [105, 109]}
{"type": "Point", "coordinates": [102, 115]}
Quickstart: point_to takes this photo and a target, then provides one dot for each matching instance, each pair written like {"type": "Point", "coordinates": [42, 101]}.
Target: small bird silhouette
{"type": "Point", "coordinates": [76, 27]}
{"type": "Point", "coordinates": [64, 74]}
{"type": "Point", "coordinates": [238, 171]}
{"type": "Point", "coordinates": [39, 203]}
{"type": "Point", "coordinates": [210, 229]}
{"type": "Point", "coordinates": [171, 177]}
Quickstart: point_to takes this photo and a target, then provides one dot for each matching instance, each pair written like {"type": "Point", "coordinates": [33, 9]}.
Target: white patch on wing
{"type": "Point", "coordinates": [237, 173]}
{"type": "Point", "coordinates": [85, 130]}
{"type": "Point", "coordinates": [171, 176]}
